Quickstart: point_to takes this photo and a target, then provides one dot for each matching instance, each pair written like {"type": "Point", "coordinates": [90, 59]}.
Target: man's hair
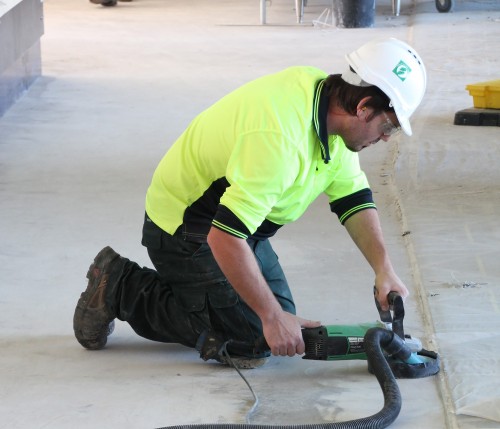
{"type": "Point", "coordinates": [348, 96]}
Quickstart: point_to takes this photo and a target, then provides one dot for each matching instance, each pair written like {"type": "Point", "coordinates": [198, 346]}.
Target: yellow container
{"type": "Point", "coordinates": [486, 95]}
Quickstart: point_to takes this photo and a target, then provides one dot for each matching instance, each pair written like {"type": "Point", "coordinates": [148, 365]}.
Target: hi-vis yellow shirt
{"type": "Point", "coordinates": [255, 160]}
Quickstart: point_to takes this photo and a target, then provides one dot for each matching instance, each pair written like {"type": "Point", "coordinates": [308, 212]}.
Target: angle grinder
{"type": "Point", "coordinates": [344, 342]}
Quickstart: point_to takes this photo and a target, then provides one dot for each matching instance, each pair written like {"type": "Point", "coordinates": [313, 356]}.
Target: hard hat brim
{"type": "Point", "coordinates": [404, 123]}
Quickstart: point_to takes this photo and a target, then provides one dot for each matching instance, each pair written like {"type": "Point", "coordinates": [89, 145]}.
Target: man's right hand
{"type": "Point", "coordinates": [282, 330]}
{"type": "Point", "coordinates": [284, 335]}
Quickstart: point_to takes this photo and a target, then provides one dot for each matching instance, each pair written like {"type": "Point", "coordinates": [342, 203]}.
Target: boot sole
{"type": "Point", "coordinates": [82, 312]}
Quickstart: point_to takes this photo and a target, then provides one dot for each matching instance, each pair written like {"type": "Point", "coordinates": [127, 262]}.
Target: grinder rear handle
{"type": "Point", "coordinates": [393, 318]}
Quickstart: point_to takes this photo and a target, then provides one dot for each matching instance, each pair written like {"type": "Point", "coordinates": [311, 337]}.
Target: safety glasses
{"type": "Point", "coordinates": [388, 128]}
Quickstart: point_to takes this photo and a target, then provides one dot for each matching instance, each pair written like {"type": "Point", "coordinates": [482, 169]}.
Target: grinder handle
{"type": "Point", "coordinates": [395, 314]}
{"type": "Point", "coordinates": [385, 315]}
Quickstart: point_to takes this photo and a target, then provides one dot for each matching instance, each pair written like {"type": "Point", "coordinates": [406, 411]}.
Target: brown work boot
{"type": "Point", "coordinates": [93, 320]}
{"type": "Point", "coordinates": [104, 2]}
{"type": "Point", "coordinates": [242, 362]}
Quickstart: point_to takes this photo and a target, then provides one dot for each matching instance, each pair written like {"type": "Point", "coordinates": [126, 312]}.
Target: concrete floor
{"type": "Point", "coordinates": [76, 156]}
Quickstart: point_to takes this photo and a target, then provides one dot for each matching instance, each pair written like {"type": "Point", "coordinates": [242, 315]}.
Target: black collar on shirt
{"type": "Point", "coordinates": [320, 110]}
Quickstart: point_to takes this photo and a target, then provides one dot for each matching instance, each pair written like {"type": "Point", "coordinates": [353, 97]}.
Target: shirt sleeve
{"type": "Point", "coordinates": [345, 207]}
{"type": "Point", "coordinates": [226, 221]}
{"type": "Point", "coordinates": [262, 166]}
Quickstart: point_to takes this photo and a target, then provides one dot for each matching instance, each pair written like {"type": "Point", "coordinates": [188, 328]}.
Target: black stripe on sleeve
{"type": "Point", "coordinates": [345, 207]}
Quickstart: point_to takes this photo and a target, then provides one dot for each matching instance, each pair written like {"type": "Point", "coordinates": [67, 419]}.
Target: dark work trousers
{"type": "Point", "coordinates": [187, 293]}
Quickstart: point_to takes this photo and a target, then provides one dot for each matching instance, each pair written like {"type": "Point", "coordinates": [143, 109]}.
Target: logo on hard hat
{"type": "Point", "coordinates": [402, 70]}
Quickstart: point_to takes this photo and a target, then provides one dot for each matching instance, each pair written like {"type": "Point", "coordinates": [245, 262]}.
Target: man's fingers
{"type": "Point", "coordinates": [305, 323]}
{"type": "Point", "coordinates": [290, 349]}
{"type": "Point", "coordinates": [311, 324]}
{"type": "Point", "coordinates": [301, 348]}
{"type": "Point", "coordinates": [384, 304]}
{"type": "Point", "coordinates": [288, 341]}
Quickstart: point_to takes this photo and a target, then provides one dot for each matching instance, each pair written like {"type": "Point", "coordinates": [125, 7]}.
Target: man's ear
{"type": "Point", "coordinates": [362, 103]}
{"type": "Point", "coordinates": [364, 111]}
{"type": "Point", "coordinates": [361, 113]}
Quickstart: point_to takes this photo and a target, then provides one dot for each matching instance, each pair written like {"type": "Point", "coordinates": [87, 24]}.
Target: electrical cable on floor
{"type": "Point", "coordinates": [256, 398]}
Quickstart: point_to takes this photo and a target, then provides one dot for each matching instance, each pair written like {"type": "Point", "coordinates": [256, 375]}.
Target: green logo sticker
{"type": "Point", "coordinates": [402, 70]}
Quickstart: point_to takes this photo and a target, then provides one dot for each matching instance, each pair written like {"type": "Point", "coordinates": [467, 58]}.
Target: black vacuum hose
{"type": "Point", "coordinates": [376, 339]}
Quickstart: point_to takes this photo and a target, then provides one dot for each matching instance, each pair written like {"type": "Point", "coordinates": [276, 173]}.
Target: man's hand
{"type": "Point", "coordinates": [282, 330]}
{"type": "Point", "coordinates": [284, 336]}
{"type": "Point", "coordinates": [385, 283]}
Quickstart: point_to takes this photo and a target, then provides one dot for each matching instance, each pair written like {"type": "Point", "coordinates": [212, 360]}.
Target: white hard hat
{"type": "Point", "coordinates": [395, 68]}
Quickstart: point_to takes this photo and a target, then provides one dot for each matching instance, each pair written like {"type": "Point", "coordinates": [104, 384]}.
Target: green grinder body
{"type": "Point", "coordinates": [336, 342]}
